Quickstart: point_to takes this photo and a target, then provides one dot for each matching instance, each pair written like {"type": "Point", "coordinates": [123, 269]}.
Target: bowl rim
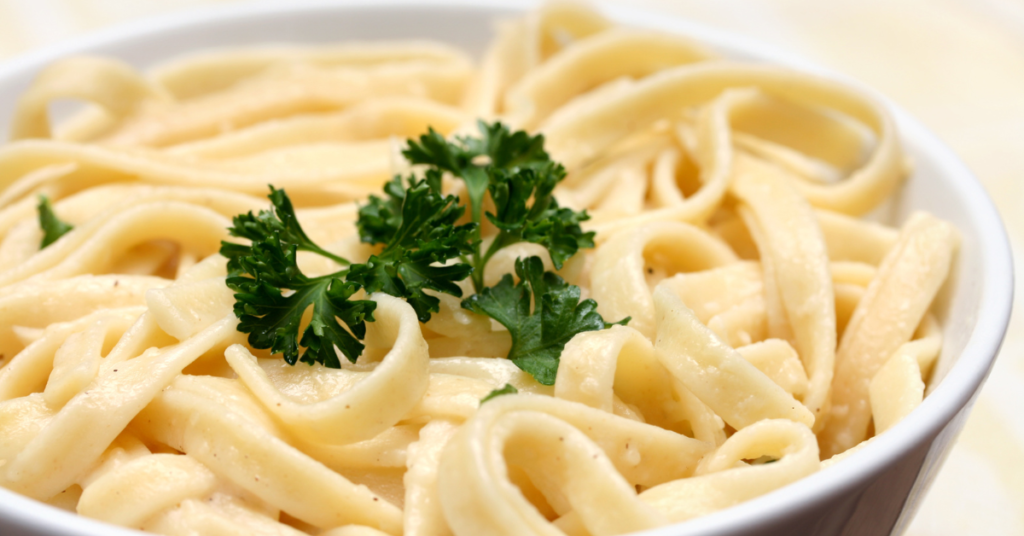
{"type": "Point", "coordinates": [953, 394]}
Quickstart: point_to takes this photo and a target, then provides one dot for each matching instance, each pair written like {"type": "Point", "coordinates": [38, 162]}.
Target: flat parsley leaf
{"type": "Point", "coordinates": [538, 335]}
{"type": "Point", "coordinates": [53, 228]}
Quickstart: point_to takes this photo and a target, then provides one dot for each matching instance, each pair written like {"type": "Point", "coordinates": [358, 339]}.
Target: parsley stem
{"type": "Point", "coordinates": [320, 251]}
{"type": "Point", "coordinates": [504, 239]}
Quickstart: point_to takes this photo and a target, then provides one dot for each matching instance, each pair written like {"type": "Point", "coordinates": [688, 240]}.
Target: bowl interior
{"type": "Point", "coordinates": [973, 307]}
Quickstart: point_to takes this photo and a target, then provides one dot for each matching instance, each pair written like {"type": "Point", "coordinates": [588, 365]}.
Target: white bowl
{"type": "Point", "coordinates": [874, 492]}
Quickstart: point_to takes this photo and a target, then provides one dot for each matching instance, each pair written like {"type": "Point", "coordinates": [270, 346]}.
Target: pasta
{"type": "Point", "coordinates": [771, 327]}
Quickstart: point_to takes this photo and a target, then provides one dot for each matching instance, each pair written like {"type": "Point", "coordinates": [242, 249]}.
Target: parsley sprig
{"type": "Point", "coordinates": [272, 294]}
{"type": "Point", "coordinates": [417, 226]}
{"type": "Point", "coordinates": [425, 244]}
{"type": "Point", "coordinates": [539, 333]}
{"type": "Point", "coordinates": [514, 168]}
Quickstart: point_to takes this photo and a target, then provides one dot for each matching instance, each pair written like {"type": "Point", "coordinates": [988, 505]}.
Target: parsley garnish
{"type": "Point", "coordinates": [538, 336]}
{"type": "Point", "coordinates": [262, 272]}
{"type": "Point", "coordinates": [53, 227]}
{"type": "Point", "coordinates": [417, 226]}
{"type": "Point", "coordinates": [423, 247]}
{"type": "Point", "coordinates": [508, 389]}
{"type": "Point", "coordinates": [514, 168]}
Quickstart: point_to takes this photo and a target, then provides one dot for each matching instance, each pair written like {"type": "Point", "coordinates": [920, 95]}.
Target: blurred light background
{"type": "Point", "coordinates": [957, 65]}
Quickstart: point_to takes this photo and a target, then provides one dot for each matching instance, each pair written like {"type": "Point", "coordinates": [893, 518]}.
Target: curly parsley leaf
{"type": "Point", "coordinates": [380, 217]}
{"type": "Point", "coordinates": [474, 159]}
{"type": "Point", "coordinates": [418, 229]}
{"type": "Point", "coordinates": [279, 221]}
{"type": "Point", "coordinates": [514, 168]}
{"type": "Point", "coordinates": [53, 228]}
{"type": "Point", "coordinates": [544, 222]}
{"type": "Point", "coordinates": [508, 389]}
{"type": "Point", "coordinates": [456, 158]}
{"type": "Point", "coordinates": [538, 335]}
{"type": "Point", "coordinates": [272, 294]}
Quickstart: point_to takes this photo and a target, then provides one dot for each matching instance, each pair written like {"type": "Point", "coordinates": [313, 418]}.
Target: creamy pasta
{"type": "Point", "coordinates": [771, 327]}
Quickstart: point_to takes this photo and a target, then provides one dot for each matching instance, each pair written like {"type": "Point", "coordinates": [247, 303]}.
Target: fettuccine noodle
{"type": "Point", "coordinates": [771, 327]}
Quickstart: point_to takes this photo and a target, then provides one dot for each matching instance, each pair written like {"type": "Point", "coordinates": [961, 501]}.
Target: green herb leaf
{"type": "Point", "coordinates": [539, 335]}
{"type": "Point", "coordinates": [508, 389]}
{"type": "Point", "coordinates": [417, 226]}
{"type": "Point", "coordinates": [279, 221]}
{"type": "Point", "coordinates": [456, 158]}
{"type": "Point", "coordinates": [544, 222]}
{"type": "Point", "coordinates": [473, 159]}
{"type": "Point", "coordinates": [53, 227]}
{"type": "Point", "coordinates": [272, 294]}
{"type": "Point", "coordinates": [514, 168]}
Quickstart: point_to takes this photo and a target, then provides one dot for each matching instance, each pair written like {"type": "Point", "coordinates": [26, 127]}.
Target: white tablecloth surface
{"type": "Point", "coordinates": [957, 65]}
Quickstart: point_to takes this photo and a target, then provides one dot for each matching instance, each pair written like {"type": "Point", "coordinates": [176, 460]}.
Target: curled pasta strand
{"type": "Point", "coordinates": [353, 530]}
{"type": "Point", "coordinates": [387, 450]}
{"type": "Point", "coordinates": [368, 407]}
{"type": "Point", "coordinates": [477, 496]}
{"type": "Point", "coordinates": [139, 489]}
{"type": "Point", "coordinates": [379, 118]}
{"type": "Point", "coordinates": [885, 318]}
{"type": "Point", "coordinates": [199, 74]}
{"type": "Point", "coordinates": [197, 229]}
{"type": "Point", "coordinates": [523, 44]}
{"type": "Point", "coordinates": [241, 448]}
{"type": "Point", "coordinates": [37, 304]}
{"type": "Point", "coordinates": [590, 62]}
{"type": "Point", "coordinates": [725, 479]}
{"type": "Point", "coordinates": [97, 415]}
{"type": "Point", "coordinates": [780, 362]}
{"type": "Point", "coordinates": [664, 190]}
{"type": "Point", "coordinates": [27, 372]}
{"type": "Point", "coordinates": [40, 181]}
{"type": "Point", "coordinates": [457, 384]}
{"type": "Point", "coordinates": [729, 300]}
{"type": "Point", "coordinates": [899, 385]}
{"type": "Point", "coordinates": [714, 156]}
{"type": "Point", "coordinates": [219, 514]}
{"type": "Point", "coordinates": [719, 483]}
{"type": "Point", "coordinates": [306, 187]}
{"type": "Point", "coordinates": [21, 419]}
{"type": "Point", "coordinates": [90, 210]}
{"type": "Point", "coordinates": [556, 26]}
{"type": "Point", "coordinates": [642, 453]}
{"type": "Point", "coordinates": [578, 137]}
{"type": "Point", "coordinates": [812, 142]}
{"type": "Point", "coordinates": [503, 63]}
{"type": "Point", "coordinates": [422, 511]}
{"type": "Point", "coordinates": [77, 362]}
{"type": "Point", "coordinates": [293, 90]}
{"type": "Point", "coordinates": [853, 239]}
{"type": "Point", "coordinates": [619, 275]}
{"type": "Point", "coordinates": [791, 243]}
{"type": "Point", "coordinates": [732, 387]}
{"type": "Point", "coordinates": [601, 367]}
{"type": "Point", "coordinates": [111, 84]}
